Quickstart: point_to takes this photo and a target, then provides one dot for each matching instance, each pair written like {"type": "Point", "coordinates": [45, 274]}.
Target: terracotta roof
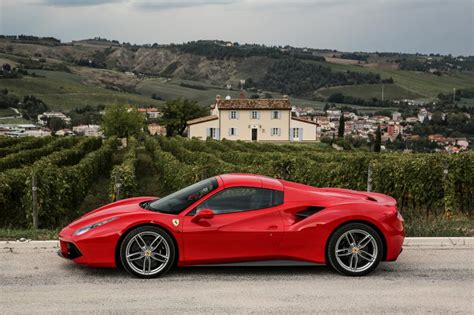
{"type": "Point", "coordinates": [254, 104]}
{"type": "Point", "coordinates": [304, 120]}
{"type": "Point", "coordinates": [201, 119]}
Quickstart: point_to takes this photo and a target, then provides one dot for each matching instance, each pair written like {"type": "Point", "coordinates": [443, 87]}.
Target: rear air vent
{"type": "Point", "coordinates": [308, 212]}
{"type": "Point", "coordinates": [371, 199]}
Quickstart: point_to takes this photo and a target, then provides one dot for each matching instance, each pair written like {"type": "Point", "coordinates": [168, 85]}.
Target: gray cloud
{"type": "Point", "coordinates": [170, 4]}
{"type": "Point", "coordinates": [77, 3]}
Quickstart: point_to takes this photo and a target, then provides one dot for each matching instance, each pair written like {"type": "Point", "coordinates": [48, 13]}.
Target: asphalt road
{"type": "Point", "coordinates": [422, 280]}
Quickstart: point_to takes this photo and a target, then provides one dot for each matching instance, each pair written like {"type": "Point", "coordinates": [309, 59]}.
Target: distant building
{"type": "Point", "coordinates": [87, 130]}
{"type": "Point", "coordinates": [396, 116]}
{"type": "Point", "coordinates": [43, 118]}
{"type": "Point", "coordinates": [155, 129]}
{"type": "Point", "coordinates": [423, 114]}
{"type": "Point", "coordinates": [252, 120]}
{"type": "Point", "coordinates": [150, 113]}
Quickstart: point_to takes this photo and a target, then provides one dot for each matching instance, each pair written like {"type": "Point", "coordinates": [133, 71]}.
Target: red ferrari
{"type": "Point", "coordinates": [239, 218]}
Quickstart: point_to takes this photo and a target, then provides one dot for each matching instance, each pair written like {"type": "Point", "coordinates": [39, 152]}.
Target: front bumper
{"type": "Point", "coordinates": [68, 250]}
{"type": "Point", "coordinates": [91, 249]}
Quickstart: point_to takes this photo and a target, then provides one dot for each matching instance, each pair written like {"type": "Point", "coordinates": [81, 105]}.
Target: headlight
{"type": "Point", "coordinates": [91, 226]}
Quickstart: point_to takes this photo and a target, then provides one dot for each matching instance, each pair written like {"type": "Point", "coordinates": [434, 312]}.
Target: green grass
{"type": "Point", "coordinates": [15, 121]}
{"type": "Point", "coordinates": [60, 90]}
{"type": "Point", "coordinates": [16, 234]}
{"type": "Point", "coordinates": [439, 226]}
{"type": "Point", "coordinates": [369, 91]}
{"type": "Point", "coordinates": [6, 112]}
{"type": "Point", "coordinates": [425, 84]}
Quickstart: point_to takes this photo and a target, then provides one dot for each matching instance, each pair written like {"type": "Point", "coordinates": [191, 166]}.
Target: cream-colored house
{"type": "Point", "coordinates": [252, 120]}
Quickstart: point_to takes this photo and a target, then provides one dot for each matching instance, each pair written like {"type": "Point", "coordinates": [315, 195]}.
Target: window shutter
{"type": "Point", "coordinates": [279, 114]}
{"type": "Point", "coordinates": [291, 135]}
{"type": "Point", "coordinates": [229, 132]}
{"type": "Point", "coordinates": [301, 134]}
{"type": "Point", "coordinates": [237, 114]}
{"type": "Point", "coordinates": [208, 132]}
{"type": "Point", "coordinates": [230, 115]}
{"type": "Point", "coordinates": [218, 134]}
{"type": "Point", "coordinates": [258, 115]}
{"type": "Point", "coordinates": [279, 131]}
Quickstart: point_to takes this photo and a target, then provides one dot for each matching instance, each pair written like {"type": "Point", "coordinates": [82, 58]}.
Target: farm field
{"type": "Point", "coordinates": [424, 84]}
{"type": "Point", "coordinates": [66, 91]}
{"type": "Point", "coordinates": [369, 91]}
{"type": "Point", "coordinates": [75, 175]}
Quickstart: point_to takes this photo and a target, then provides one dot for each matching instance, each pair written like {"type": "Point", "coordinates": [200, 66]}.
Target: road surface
{"type": "Point", "coordinates": [35, 279]}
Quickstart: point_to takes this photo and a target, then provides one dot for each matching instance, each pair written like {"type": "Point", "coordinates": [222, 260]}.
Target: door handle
{"type": "Point", "coordinates": [273, 227]}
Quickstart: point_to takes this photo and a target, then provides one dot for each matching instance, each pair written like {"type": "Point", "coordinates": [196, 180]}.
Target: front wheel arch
{"type": "Point", "coordinates": [379, 232]}
{"type": "Point", "coordinates": [118, 262]}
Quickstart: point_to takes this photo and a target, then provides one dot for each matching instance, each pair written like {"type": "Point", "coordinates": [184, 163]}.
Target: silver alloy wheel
{"type": "Point", "coordinates": [356, 250]}
{"type": "Point", "coordinates": [147, 253]}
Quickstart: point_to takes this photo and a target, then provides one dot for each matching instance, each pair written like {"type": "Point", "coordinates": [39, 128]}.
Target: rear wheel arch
{"type": "Point", "coordinates": [118, 262]}
{"type": "Point", "coordinates": [375, 227]}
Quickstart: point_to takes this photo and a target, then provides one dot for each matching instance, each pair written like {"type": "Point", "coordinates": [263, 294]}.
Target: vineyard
{"type": "Point", "coordinates": [44, 182]}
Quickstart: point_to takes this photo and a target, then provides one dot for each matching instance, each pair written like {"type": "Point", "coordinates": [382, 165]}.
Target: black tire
{"type": "Point", "coordinates": [143, 261]}
{"type": "Point", "coordinates": [346, 260]}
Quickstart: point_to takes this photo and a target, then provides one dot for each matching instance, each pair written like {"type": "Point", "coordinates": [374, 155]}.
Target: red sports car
{"type": "Point", "coordinates": [239, 218]}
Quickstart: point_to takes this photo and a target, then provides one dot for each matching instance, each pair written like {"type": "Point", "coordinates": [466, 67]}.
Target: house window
{"type": "Point", "coordinates": [296, 133]}
{"type": "Point", "coordinates": [213, 133]}
{"type": "Point", "coordinates": [233, 114]}
{"type": "Point", "coordinates": [275, 114]}
{"type": "Point", "coordinates": [255, 114]}
{"type": "Point", "coordinates": [276, 131]}
{"type": "Point", "coordinates": [232, 131]}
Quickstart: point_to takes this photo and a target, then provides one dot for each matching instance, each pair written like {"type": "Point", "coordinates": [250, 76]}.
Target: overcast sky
{"type": "Point", "coordinates": [438, 26]}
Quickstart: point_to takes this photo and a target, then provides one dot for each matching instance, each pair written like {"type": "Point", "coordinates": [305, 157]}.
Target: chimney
{"type": "Point", "coordinates": [242, 95]}
{"type": "Point", "coordinates": [285, 97]}
{"type": "Point", "coordinates": [218, 98]}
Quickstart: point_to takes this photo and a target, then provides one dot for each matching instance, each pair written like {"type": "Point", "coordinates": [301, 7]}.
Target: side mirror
{"type": "Point", "coordinates": [203, 214]}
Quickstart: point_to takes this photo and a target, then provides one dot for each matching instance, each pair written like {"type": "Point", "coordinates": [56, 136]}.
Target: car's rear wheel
{"type": "Point", "coordinates": [355, 249]}
{"type": "Point", "coordinates": [147, 252]}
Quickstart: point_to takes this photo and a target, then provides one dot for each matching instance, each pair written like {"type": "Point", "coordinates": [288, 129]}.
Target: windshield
{"type": "Point", "coordinates": [180, 200]}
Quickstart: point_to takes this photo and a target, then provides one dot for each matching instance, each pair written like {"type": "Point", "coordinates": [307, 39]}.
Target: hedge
{"type": "Point", "coordinates": [61, 189]}
{"type": "Point", "coordinates": [124, 174]}
{"type": "Point", "coordinates": [15, 184]}
{"type": "Point", "coordinates": [428, 184]}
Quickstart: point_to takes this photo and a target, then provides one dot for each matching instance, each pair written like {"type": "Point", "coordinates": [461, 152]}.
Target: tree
{"type": "Point", "coordinates": [177, 112]}
{"type": "Point", "coordinates": [378, 140]}
{"type": "Point", "coordinates": [56, 123]}
{"type": "Point", "coordinates": [32, 107]}
{"type": "Point", "coordinates": [342, 126]}
{"type": "Point", "coordinates": [122, 121]}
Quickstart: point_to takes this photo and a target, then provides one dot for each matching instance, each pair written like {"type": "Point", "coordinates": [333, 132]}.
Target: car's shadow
{"type": "Point", "coordinates": [264, 271]}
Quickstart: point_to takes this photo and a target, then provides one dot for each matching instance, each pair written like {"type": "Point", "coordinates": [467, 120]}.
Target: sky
{"type": "Point", "coordinates": [425, 26]}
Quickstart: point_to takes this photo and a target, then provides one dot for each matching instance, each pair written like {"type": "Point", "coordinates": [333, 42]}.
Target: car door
{"type": "Point", "coordinates": [246, 225]}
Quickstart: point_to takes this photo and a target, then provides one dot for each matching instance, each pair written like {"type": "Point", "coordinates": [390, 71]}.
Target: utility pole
{"type": "Point", "coordinates": [454, 95]}
{"type": "Point", "coordinates": [369, 179]}
{"type": "Point", "coordinates": [118, 184]}
{"type": "Point", "coordinates": [383, 87]}
{"type": "Point", "coordinates": [34, 192]}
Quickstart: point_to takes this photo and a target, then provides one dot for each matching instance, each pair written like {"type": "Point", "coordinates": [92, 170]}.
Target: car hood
{"type": "Point", "coordinates": [110, 210]}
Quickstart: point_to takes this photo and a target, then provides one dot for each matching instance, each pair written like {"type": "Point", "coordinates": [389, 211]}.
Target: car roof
{"type": "Point", "coordinates": [252, 180]}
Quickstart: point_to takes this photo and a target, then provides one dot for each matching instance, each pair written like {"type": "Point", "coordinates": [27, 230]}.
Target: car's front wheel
{"type": "Point", "coordinates": [147, 252]}
{"type": "Point", "coordinates": [355, 249]}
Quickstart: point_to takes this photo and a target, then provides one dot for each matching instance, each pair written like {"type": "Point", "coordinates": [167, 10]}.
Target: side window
{"type": "Point", "coordinates": [239, 199]}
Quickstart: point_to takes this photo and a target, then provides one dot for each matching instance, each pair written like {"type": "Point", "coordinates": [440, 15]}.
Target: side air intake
{"type": "Point", "coordinates": [308, 212]}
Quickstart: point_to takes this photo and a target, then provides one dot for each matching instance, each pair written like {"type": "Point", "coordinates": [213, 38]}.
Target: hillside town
{"type": "Point", "coordinates": [307, 124]}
